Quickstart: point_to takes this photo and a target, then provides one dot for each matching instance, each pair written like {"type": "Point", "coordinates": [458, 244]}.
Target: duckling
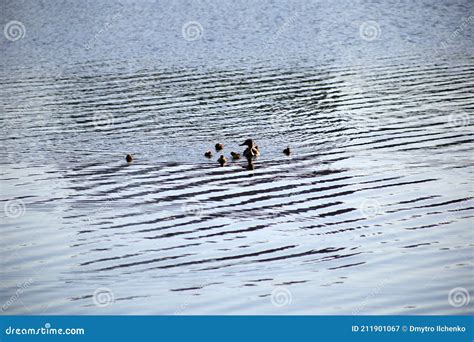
{"type": "Point", "coordinates": [129, 158]}
{"type": "Point", "coordinates": [222, 160]}
{"type": "Point", "coordinates": [252, 150]}
{"type": "Point", "coordinates": [208, 154]}
{"type": "Point", "coordinates": [235, 155]}
{"type": "Point", "coordinates": [219, 147]}
{"type": "Point", "coordinates": [287, 151]}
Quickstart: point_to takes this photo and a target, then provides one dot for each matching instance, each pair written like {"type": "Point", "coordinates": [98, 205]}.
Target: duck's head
{"type": "Point", "coordinates": [248, 142]}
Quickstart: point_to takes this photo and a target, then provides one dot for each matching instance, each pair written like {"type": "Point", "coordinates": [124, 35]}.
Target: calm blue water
{"type": "Point", "coordinates": [371, 214]}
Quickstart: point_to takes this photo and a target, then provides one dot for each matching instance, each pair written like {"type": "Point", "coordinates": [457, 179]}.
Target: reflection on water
{"type": "Point", "coordinates": [370, 214]}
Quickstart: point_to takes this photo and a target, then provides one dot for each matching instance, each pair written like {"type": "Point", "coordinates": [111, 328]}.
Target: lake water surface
{"type": "Point", "coordinates": [371, 214]}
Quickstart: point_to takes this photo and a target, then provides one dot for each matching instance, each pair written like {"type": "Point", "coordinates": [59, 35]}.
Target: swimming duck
{"type": "Point", "coordinates": [235, 155]}
{"type": "Point", "coordinates": [287, 151]}
{"type": "Point", "coordinates": [129, 158]}
{"type": "Point", "coordinates": [252, 150]}
{"type": "Point", "coordinates": [208, 154]}
{"type": "Point", "coordinates": [219, 147]}
{"type": "Point", "coordinates": [222, 160]}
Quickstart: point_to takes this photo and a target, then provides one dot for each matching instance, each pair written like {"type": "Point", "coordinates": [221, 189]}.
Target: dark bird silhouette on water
{"type": "Point", "coordinates": [222, 160]}
{"type": "Point", "coordinates": [252, 150]}
{"type": "Point", "coordinates": [235, 155]}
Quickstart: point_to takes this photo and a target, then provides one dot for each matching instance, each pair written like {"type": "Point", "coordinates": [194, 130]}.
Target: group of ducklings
{"type": "Point", "coordinates": [251, 152]}
{"type": "Point", "coordinates": [222, 160]}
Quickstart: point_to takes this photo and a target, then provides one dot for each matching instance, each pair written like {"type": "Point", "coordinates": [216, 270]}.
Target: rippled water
{"type": "Point", "coordinates": [371, 214]}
